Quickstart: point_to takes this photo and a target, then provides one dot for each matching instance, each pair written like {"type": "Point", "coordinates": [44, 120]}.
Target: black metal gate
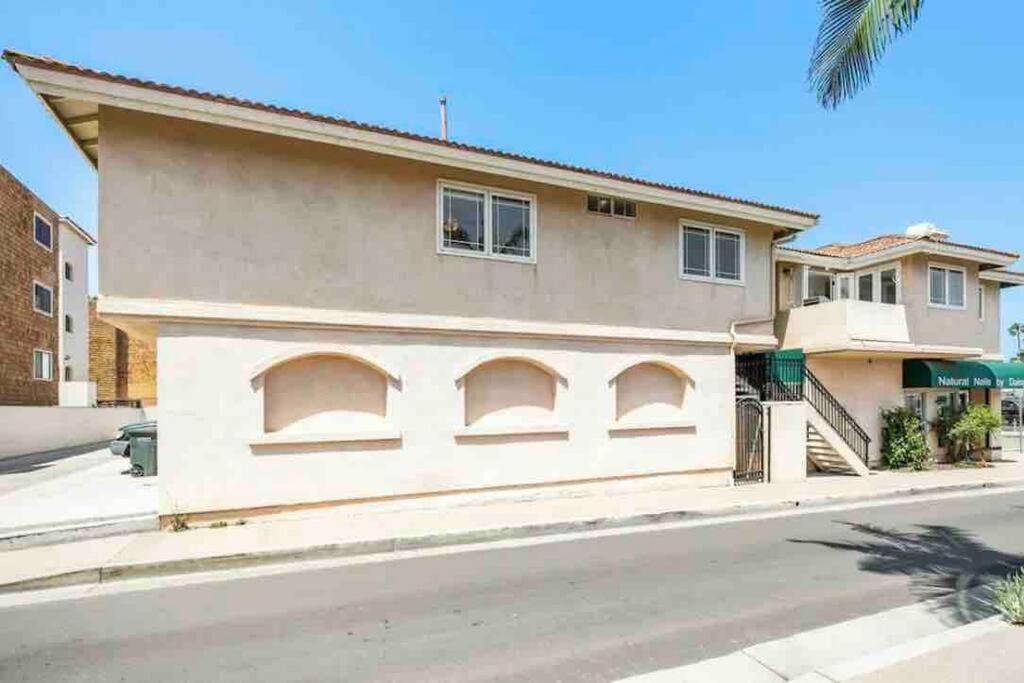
{"type": "Point", "coordinates": [749, 441]}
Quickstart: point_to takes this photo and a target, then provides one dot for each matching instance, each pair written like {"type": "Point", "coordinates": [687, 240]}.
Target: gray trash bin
{"type": "Point", "coordinates": [143, 456]}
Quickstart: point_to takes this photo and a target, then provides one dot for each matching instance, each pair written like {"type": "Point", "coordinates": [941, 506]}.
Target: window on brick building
{"type": "Point", "coordinates": [42, 365]}
{"type": "Point", "coordinates": [42, 232]}
{"type": "Point", "coordinates": [42, 298]}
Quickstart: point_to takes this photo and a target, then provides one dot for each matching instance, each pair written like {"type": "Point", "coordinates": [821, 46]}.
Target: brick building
{"type": "Point", "coordinates": [29, 290]}
{"type": "Point", "coordinates": [123, 368]}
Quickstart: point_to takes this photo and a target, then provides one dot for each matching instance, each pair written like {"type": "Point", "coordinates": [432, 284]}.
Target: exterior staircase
{"type": "Point", "coordinates": [825, 458]}
{"type": "Point", "coordinates": [835, 442]}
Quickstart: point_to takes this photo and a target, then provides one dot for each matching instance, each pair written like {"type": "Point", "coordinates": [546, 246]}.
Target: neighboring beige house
{"type": "Point", "coordinates": [346, 312]}
{"type": "Point", "coordinates": [899, 319]}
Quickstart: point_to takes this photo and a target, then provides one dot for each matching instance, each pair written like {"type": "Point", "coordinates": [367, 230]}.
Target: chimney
{"type": "Point", "coordinates": [444, 117]}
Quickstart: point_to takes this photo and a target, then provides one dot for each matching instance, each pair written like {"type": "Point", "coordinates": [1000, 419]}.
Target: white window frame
{"type": "Point", "coordinates": [35, 215]}
{"type": "Point", "coordinates": [443, 184]}
{"type": "Point", "coordinates": [981, 301]}
{"type": "Point", "coordinates": [69, 271]}
{"type": "Point", "coordinates": [876, 283]}
{"type": "Point", "coordinates": [837, 286]}
{"type": "Point", "coordinates": [712, 231]}
{"type": "Point", "coordinates": [611, 198]}
{"type": "Point", "coordinates": [68, 318]}
{"type": "Point", "coordinates": [48, 354]}
{"type": "Point", "coordinates": [806, 283]}
{"type": "Point", "coordinates": [37, 283]}
{"type": "Point", "coordinates": [947, 268]}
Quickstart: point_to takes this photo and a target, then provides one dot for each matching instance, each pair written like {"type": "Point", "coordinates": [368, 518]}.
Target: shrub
{"type": "Point", "coordinates": [903, 440]}
{"type": "Point", "coordinates": [1008, 597]}
{"type": "Point", "coordinates": [968, 432]}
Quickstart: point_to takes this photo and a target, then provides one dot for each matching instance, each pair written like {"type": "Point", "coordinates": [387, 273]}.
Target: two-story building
{"type": "Point", "coordinates": [346, 312]}
{"type": "Point", "coordinates": [901, 319]}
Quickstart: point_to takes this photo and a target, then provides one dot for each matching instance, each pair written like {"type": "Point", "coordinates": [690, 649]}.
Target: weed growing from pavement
{"type": "Point", "coordinates": [218, 525]}
{"type": "Point", "coordinates": [178, 523]}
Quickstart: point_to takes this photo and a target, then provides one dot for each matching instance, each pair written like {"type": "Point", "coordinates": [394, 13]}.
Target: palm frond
{"type": "Point", "coordinates": [852, 37]}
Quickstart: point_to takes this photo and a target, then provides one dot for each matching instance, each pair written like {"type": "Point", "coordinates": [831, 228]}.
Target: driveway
{"type": "Point", "coordinates": [68, 489]}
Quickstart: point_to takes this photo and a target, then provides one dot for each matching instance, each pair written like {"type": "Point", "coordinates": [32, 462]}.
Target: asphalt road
{"type": "Point", "coordinates": [591, 609]}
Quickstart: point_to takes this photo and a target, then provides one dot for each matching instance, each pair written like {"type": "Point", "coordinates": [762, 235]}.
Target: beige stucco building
{"type": "Point", "coordinates": [861, 312]}
{"type": "Point", "coordinates": [344, 312]}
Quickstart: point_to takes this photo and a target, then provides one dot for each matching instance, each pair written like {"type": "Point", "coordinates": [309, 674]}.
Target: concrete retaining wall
{"type": "Point", "coordinates": [31, 429]}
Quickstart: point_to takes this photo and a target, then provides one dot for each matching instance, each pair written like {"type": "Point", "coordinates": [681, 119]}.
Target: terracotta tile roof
{"type": "Point", "coordinates": [14, 58]}
{"type": "Point", "coordinates": [885, 242]}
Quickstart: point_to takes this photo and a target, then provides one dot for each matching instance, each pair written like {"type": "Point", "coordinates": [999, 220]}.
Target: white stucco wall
{"type": "Point", "coordinates": [32, 429]}
{"type": "Point", "coordinates": [74, 301]}
{"type": "Point", "coordinates": [787, 431]}
{"type": "Point", "coordinates": [210, 408]}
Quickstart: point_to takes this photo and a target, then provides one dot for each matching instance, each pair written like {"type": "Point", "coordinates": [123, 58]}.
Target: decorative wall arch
{"type": "Point", "coordinates": [662, 361]}
{"type": "Point", "coordinates": [357, 355]}
{"type": "Point", "coordinates": [650, 391]}
{"type": "Point", "coordinates": [328, 392]}
{"type": "Point", "coordinates": [544, 365]}
{"type": "Point", "coordinates": [509, 393]}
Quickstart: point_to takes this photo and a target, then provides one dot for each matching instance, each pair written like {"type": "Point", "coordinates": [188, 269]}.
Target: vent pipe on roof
{"type": "Point", "coordinates": [444, 117]}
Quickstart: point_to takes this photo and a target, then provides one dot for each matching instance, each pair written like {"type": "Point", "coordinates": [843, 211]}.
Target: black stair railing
{"type": "Point", "coordinates": [773, 378]}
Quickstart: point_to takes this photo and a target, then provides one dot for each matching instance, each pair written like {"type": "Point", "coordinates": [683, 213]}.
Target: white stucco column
{"type": "Point", "coordinates": [787, 423]}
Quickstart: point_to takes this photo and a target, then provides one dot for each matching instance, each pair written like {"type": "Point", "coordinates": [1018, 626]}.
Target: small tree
{"type": "Point", "coordinates": [968, 433]}
{"type": "Point", "coordinates": [903, 440]}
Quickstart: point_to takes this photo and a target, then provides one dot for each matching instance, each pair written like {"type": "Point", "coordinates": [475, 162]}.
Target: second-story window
{"type": "Point", "coordinates": [69, 324]}
{"type": "Point", "coordinates": [42, 298]}
{"type": "Point", "coordinates": [946, 286]}
{"type": "Point", "coordinates": [485, 222]}
{"type": "Point", "coordinates": [69, 271]}
{"type": "Point", "coordinates": [879, 286]}
{"type": "Point", "coordinates": [611, 206]}
{"type": "Point", "coordinates": [711, 253]}
{"type": "Point", "coordinates": [42, 232]}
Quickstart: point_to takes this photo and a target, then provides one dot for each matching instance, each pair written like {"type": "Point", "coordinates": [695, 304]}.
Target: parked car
{"type": "Point", "coordinates": [1011, 413]}
{"type": "Point", "coordinates": [121, 445]}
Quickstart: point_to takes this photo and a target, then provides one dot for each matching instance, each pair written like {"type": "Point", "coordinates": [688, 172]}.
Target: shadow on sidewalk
{"type": "Point", "coordinates": [30, 462]}
{"type": "Point", "coordinates": [943, 563]}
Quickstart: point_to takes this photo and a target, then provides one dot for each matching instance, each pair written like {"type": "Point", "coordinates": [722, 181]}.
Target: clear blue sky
{"type": "Point", "coordinates": [705, 93]}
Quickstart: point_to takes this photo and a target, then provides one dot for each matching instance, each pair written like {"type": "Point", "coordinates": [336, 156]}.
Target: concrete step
{"type": "Point", "coordinates": [823, 455]}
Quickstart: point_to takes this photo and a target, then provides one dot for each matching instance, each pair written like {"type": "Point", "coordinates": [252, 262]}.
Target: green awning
{"type": "Point", "coordinates": [962, 374]}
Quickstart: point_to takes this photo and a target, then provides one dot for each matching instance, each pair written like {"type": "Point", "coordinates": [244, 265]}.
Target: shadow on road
{"type": "Point", "coordinates": [943, 563]}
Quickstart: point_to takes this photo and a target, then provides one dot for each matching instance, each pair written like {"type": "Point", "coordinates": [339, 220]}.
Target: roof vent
{"type": "Point", "coordinates": [926, 231]}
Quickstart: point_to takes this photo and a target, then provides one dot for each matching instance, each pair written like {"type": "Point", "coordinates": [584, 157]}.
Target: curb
{"type": "Point", "coordinates": [107, 574]}
{"type": "Point", "coordinates": [100, 527]}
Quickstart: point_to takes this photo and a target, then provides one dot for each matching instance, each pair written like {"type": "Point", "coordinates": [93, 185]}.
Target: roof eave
{"type": "Point", "coordinates": [52, 82]}
{"type": "Point", "coordinates": [939, 249]}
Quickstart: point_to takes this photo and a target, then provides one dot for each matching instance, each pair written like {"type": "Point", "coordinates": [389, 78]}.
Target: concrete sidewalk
{"type": "Point", "coordinates": [69, 493]}
{"type": "Point", "coordinates": [451, 520]}
{"type": "Point", "coordinates": [927, 641]}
